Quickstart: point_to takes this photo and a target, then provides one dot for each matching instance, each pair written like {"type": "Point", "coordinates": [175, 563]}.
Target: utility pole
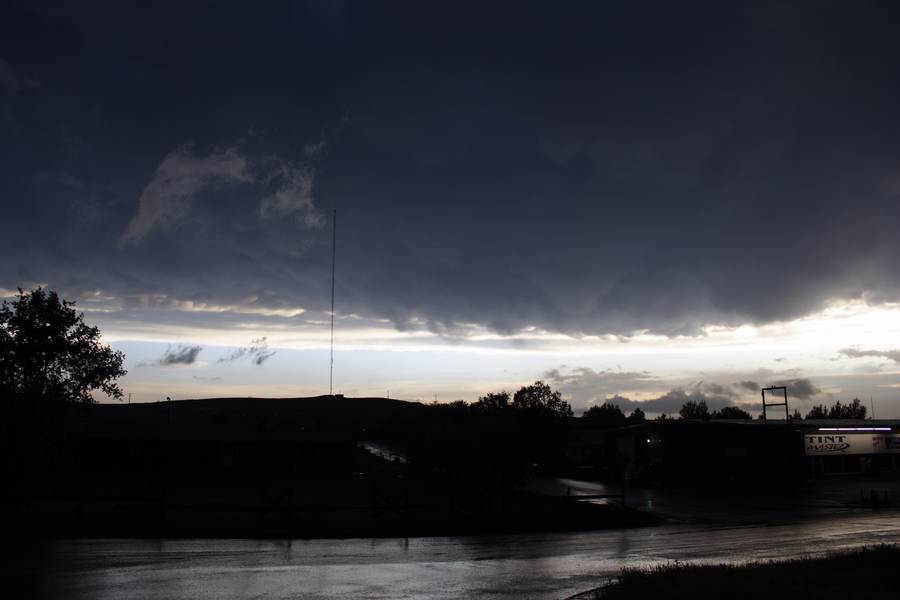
{"type": "Point", "coordinates": [333, 256]}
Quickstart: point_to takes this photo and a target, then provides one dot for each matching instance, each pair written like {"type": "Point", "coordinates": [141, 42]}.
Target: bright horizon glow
{"type": "Point", "coordinates": [420, 364]}
{"type": "Point", "coordinates": [841, 322]}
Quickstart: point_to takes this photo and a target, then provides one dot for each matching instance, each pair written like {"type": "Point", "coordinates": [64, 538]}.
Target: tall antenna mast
{"type": "Point", "coordinates": [333, 255]}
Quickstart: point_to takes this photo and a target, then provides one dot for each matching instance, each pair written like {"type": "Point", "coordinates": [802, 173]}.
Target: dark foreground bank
{"type": "Point", "coordinates": [285, 468]}
{"type": "Point", "coordinates": [861, 574]}
{"type": "Point", "coordinates": [366, 505]}
{"type": "Point", "coordinates": [521, 513]}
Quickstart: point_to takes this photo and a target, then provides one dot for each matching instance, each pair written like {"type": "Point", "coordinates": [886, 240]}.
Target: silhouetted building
{"type": "Point", "coordinates": [725, 450]}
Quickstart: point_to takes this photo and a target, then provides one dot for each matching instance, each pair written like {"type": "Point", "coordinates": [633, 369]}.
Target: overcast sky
{"type": "Point", "coordinates": [626, 199]}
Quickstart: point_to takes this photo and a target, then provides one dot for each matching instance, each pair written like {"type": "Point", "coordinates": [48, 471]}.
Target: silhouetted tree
{"type": "Point", "coordinates": [459, 406]}
{"type": "Point", "coordinates": [636, 416]}
{"type": "Point", "coordinates": [662, 417]}
{"type": "Point", "coordinates": [694, 409]}
{"type": "Point", "coordinates": [492, 403]}
{"type": "Point", "coordinates": [49, 356]}
{"type": "Point", "coordinates": [819, 411]}
{"type": "Point", "coordinates": [731, 412]}
{"type": "Point", "coordinates": [796, 416]}
{"type": "Point", "coordinates": [539, 398]}
{"type": "Point", "coordinates": [854, 410]}
{"type": "Point", "coordinates": [605, 416]}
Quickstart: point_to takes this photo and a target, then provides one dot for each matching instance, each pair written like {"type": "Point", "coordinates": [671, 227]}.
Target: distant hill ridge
{"type": "Point", "coordinates": [364, 417]}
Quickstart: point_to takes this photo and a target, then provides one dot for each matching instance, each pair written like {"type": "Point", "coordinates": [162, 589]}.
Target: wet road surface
{"type": "Point", "coordinates": [703, 528]}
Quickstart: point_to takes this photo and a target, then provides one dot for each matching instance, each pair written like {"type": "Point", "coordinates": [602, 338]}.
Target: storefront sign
{"type": "Point", "coordinates": [820, 444]}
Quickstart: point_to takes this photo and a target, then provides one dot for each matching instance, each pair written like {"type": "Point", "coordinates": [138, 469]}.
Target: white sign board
{"type": "Point", "coordinates": [823, 444]}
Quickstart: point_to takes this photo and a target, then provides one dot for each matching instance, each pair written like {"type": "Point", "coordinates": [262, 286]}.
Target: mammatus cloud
{"type": "Point", "coordinates": [178, 179]}
{"type": "Point", "coordinates": [179, 354]}
{"type": "Point", "coordinates": [893, 355]}
{"type": "Point", "coordinates": [258, 352]}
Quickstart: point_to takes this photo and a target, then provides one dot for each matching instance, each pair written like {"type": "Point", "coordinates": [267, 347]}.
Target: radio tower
{"type": "Point", "coordinates": [333, 255]}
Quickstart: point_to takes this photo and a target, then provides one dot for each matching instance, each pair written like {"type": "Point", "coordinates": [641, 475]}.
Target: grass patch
{"type": "Point", "coordinates": [860, 575]}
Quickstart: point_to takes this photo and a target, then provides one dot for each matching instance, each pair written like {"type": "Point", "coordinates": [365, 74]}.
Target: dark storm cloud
{"type": "Point", "coordinates": [9, 79]}
{"type": "Point", "coordinates": [179, 354]}
{"type": "Point", "coordinates": [801, 388]}
{"type": "Point", "coordinates": [585, 169]}
{"type": "Point", "coordinates": [893, 355]}
{"type": "Point", "coordinates": [750, 386]}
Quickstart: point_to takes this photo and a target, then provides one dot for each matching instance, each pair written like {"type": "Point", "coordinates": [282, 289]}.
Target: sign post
{"type": "Point", "coordinates": [783, 389]}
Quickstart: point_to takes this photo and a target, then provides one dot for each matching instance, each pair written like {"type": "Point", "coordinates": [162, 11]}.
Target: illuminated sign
{"type": "Point", "coordinates": [821, 444]}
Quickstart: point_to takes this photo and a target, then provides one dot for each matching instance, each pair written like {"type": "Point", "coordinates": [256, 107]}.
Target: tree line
{"type": "Point", "coordinates": [608, 415]}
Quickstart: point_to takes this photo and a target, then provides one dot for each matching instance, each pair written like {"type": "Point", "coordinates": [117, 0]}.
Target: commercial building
{"type": "Point", "coordinates": [733, 450]}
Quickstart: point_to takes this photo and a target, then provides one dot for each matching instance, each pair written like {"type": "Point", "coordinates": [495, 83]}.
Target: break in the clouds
{"type": "Point", "coordinates": [257, 351]}
{"type": "Point", "coordinates": [583, 169]}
